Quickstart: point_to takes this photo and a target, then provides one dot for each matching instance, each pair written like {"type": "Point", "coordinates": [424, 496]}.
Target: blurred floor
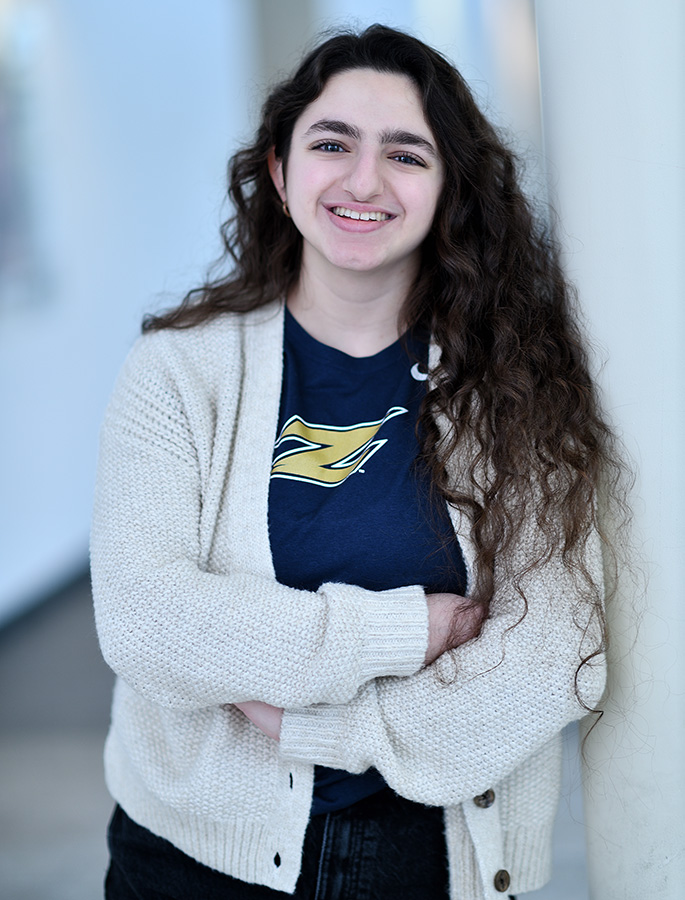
{"type": "Point", "coordinates": [54, 709]}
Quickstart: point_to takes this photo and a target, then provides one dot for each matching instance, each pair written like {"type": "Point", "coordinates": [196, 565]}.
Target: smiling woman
{"type": "Point", "coordinates": [347, 564]}
{"type": "Point", "coordinates": [361, 181]}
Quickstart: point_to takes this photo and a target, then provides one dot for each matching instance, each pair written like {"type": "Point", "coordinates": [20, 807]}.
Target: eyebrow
{"type": "Point", "coordinates": [407, 137]}
{"type": "Point", "coordinates": [397, 136]}
{"type": "Point", "coordinates": [336, 127]}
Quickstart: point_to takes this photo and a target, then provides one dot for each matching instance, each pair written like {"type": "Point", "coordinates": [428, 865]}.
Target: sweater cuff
{"type": "Point", "coordinates": [394, 630]}
{"type": "Point", "coordinates": [316, 734]}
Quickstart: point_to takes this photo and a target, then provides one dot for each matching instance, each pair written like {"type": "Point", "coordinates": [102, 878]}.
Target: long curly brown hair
{"type": "Point", "coordinates": [513, 380]}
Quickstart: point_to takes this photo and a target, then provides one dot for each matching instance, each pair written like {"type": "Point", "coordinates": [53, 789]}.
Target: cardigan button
{"type": "Point", "coordinates": [485, 801]}
{"type": "Point", "coordinates": [502, 881]}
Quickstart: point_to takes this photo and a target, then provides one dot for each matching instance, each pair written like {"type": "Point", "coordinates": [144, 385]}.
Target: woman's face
{"type": "Point", "coordinates": [363, 176]}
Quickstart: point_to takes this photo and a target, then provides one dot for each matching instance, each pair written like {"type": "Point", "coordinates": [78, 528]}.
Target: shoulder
{"type": "Point", "coordinates": [185, 384]}
{"type": "Point", "coordinates": [204, 353]}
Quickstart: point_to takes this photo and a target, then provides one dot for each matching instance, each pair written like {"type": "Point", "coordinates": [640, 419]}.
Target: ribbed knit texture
{"type": "Point", "coordinates": [191, 618]}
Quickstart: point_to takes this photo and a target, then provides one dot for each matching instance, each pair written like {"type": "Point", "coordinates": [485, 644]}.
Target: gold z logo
{"type": "Point", "coordinates": [327, 454]}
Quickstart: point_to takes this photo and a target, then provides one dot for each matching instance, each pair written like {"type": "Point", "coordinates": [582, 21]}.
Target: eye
{"type": "Point", "coordinates": [329, 147]}
{"type": "Point", "coordinates": [408, 160]}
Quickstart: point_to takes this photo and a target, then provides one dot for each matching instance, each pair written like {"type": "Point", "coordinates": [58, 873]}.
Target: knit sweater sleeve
{"type": "Point", "coordinates": [458, 727]}
{"type": "Point", "coordinates": [178, 631]}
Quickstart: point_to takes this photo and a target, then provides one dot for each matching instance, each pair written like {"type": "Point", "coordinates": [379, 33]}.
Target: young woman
{"type": "Point", "coordinates": [346, 561]}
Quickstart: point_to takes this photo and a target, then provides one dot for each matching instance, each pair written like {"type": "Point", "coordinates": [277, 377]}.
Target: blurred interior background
{"type": "Point", "coordinates": [116, 122]}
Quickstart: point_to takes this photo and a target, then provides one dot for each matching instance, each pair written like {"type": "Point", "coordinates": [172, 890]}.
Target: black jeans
{"type": "Point", "coordinates": [382, 848]}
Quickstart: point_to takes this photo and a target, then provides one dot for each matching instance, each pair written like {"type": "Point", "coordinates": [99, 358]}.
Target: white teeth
{"type": "Point", "coordinates": [373, 215]}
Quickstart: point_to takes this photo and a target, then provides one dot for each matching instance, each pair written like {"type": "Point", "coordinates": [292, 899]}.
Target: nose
{"type": "Point", "coordinates": [364, 179]}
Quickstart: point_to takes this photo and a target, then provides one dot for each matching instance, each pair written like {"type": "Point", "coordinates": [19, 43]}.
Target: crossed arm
{"type": "Point", "coordinates": [452, 620]}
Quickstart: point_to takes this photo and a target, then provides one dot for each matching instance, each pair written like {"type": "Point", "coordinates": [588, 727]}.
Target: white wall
{"type": "Point", "coordinates": [137, 108]}
{"type": "Point", "coordinates": [613, 89]}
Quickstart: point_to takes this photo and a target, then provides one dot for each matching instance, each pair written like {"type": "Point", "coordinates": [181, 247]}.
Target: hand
{"type": "Point", "coordinates": [452, 620]}
{"type": "Point", "coordinates": [266, 717]}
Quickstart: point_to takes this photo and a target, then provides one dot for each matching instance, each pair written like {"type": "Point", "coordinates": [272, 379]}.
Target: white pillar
{"type": "Point", "coordinates": [613, 97]}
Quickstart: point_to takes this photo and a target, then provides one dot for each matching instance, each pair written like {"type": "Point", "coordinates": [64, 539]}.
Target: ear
{"type": "Point", "coordinates": [276, 172]}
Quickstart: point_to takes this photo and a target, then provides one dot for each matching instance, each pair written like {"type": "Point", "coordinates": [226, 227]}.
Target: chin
{"type": "Point", "coordinates": [359, 264]}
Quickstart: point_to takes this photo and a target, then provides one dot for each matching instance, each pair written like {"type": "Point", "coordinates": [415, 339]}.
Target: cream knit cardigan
{"type": "Point", "coordinates": [191, 619]}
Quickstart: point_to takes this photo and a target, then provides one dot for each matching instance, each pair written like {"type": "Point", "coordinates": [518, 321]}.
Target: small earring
{"type": "Point", "coordinates": [286, 210]}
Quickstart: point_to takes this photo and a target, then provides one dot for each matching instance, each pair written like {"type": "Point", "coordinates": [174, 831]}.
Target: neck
{"type": "Point", "coordinates": [359, 313]}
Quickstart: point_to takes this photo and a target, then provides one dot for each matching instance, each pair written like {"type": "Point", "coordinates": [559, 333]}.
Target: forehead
{"type": "Point", "coordinates": [368, 98]}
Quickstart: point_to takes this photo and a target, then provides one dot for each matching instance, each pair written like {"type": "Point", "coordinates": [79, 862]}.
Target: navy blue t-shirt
{"type": "Point", "coordinates": [347, 501]}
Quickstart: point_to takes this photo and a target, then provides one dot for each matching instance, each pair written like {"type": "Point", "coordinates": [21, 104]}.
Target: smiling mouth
{"type": "Point", "coordinates": [370, 216]}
